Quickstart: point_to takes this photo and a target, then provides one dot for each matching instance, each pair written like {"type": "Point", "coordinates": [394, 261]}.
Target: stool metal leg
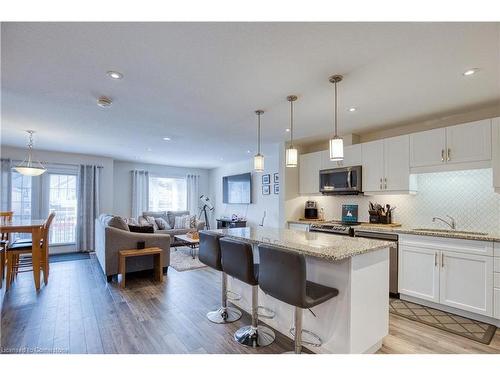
{"type": "Point", "coordinates": [255, 335]}
{"type": "Point", "coordinates": [224, 314]}
{"type": "Point", "coordinates": [298, 330]}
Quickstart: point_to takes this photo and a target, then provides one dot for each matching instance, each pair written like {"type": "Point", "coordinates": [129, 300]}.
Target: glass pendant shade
{"type": "Point", "coordinates": [336, 149]}
{"type": "Point", "coordinates": [258, 163]}
{"type": "Point", "coordinates": [28, 167]}
{"type": "Point", "coordinates": [291, 157]}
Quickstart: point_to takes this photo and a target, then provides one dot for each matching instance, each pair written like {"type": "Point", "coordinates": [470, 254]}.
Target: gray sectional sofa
{"type": "Point", "coordinates": [112, 235]}
{"type": "Point", "coordinates": [169, 217]}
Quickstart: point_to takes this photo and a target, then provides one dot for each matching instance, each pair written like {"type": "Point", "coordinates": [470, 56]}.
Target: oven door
{"type": "Point", "coordinates": [340, 180]}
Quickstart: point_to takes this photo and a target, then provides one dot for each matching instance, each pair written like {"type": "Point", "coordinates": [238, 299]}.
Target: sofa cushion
{"type": "Point", "coordinates": [141, 228]}
{"type": "Point", "coordinates": [182, 222]}
{"type": "Point", "coordinates": [162, 223]}
{"type": "Point", "coordinates": [156, 214]}
{"type": "Point", "coordinates": [172, 214]}
{"type": "Point", "coordinates": [118, 223]}
{"type": "Point", "coordinates": [173, 232]}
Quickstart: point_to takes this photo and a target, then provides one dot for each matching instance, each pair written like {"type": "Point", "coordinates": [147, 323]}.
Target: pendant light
{"type": "Point", "coordinates": [258, 159]}
{"type": "Point", "coordinates": [291, 155]}
{"type": "Point", "coordinates": [28, 167]}
{"type": "Point", "coordinates": [336, 143]}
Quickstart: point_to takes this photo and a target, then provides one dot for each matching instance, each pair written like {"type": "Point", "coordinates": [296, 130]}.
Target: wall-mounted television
{"type": "Point", "coordinates": [237, 189]}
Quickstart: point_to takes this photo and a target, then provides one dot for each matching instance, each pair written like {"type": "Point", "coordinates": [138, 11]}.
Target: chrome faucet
{"type": "Point", "coordinates": [452, 224]}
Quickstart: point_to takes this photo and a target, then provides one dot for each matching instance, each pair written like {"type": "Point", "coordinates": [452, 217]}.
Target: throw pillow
{"type": "Point", "coordinates": [151, 221]}
{"type": "Point", "coordinates": [182, 222]}
{"type": "Point", "coordinates": [132, 221]}
{"type": "Point", "coordinates": [118, 223]}
{"type": "Point", "coordinates": [162, 223]}
{"type": "Point", "coordinates": [141, 228]}
{"type": "Point", "coordinates": [143, 221]}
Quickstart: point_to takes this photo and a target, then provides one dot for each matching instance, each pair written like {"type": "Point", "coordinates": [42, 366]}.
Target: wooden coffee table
{"type": "Point", "coordinates": [192, 243]}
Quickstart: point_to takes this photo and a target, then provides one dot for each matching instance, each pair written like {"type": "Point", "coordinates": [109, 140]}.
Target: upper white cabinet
{"type": "Point", "coordinates": [386, 166]}
{"type": "Point", "coordinates": [352, 157]}
{"type": "Point", "coordinates": [455, 147]}
{"type": "Point", "coordinates": [496, 153]}
{"type": "Point", "coordinates": [427, 148]}
{"type": "Point", "coordinates": [309, 166]}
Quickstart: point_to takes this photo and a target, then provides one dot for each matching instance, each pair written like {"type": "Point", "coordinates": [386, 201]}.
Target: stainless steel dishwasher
{"type": "Point", "coordinates": [393, 256]}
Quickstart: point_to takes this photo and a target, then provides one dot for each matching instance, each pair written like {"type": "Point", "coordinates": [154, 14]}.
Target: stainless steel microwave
{"type": "Point", "coordinates": [339, 181]}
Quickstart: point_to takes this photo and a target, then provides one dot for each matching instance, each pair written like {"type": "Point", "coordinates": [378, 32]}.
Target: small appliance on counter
{"type": "Point", "coordinates": [311, 210]}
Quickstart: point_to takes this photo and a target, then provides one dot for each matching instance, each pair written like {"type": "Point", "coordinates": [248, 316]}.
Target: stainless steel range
{"type": "Point", "coordinates": [333, 227]}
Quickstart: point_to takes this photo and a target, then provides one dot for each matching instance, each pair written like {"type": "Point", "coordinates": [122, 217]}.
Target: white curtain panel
{"type": "Point", "coordinates": [5, 185]}
{"type": "Point", "coordinates": [140, 192]}
{"type": "Point", "coordinates": [89, 191]}
{"type": "Point", "coordinates": [193, 193]}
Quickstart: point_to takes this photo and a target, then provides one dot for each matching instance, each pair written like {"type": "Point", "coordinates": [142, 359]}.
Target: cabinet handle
{"type": "Point", "coordinates": [442, 260]}
{"type": "Point", "coordinates": [448, 155]}
{"type": "Point", "coordinates": [380, 183]}
{"type": "Point", "coordinates": [435, 259]}
{"type": "Point", "coordinates": [385, 183]}
{"type": "Point", "coordinates": [442, 155]}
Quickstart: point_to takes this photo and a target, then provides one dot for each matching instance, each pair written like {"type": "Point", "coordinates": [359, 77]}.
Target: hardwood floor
{"type": "Point", "coordinates": [78, 312]}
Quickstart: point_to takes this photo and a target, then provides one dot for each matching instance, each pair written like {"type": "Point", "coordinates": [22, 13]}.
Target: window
{"type": "Point", "coordinates": [167, 194]}
{"type": "Point", "coordinates": [62, 200]}
{"type": "Point", "coordinates": [21, 200]}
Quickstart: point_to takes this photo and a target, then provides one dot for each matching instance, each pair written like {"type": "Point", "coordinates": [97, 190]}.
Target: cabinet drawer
{"type": "Point", "coordinates": [496, 267]}
{"type": "Point", "coordinates": [496, 280]}
{"type": "Point", "coordinates": [496, 298]}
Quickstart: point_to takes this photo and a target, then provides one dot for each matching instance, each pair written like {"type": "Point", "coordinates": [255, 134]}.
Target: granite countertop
{"type": "Point", "coordinates": [438, 233]}
{"type": "Point", "coordinates": [320, 245]}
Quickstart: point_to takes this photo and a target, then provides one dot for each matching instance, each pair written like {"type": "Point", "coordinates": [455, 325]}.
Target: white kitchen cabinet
{"type": "Point", "coordinates": [466, 282]}
{"type": "Point", "coordinates": [468, 142]}
{"type": "Point", "coordinates": [373, 165]}
{"type": "Point", "coordinates": [419, 272]}
{"type": "Point", "coordinates": [309, 166]}
{"type": "Point", "coordinates": [352, 157]}
{"type": "Point", "coordinates": [452, 272]}
{"type": "Point", "coordinates": [427, 148]}
{"type": "Point", "coordinates": [461, 146]}
{"type": "Point", "coordinates": [495, 142]}
{"type": "Point", "coordinates": [299, 226]}
{"type": "Point", "coordinates": [386, 167]}
{"type": "Point", "coordinates": [496, 298]}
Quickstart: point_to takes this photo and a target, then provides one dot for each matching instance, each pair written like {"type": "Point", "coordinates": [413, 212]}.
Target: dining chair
{"type": "Point", "coordinates": [17, 264]}
{"type": "Point", "coordinates": [5, 217]}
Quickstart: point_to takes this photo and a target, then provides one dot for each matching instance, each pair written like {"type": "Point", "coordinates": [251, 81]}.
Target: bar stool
{"type": "Point", "coordinates": [282, 274]}
{"type": "Point", "coordinates": [210, 254]}
{"type": "Point", "coordinates": [237, 261]}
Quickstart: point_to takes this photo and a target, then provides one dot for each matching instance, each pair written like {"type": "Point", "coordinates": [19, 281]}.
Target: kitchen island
{"type": "Point", "coordinates": [357, 319]}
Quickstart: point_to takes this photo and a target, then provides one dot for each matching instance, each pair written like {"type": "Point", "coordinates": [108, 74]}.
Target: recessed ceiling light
{"type": "Point", "coordinates": [470, 72]}
{"type": "Point", "coordinates": [248, 151]}
{"type": "Point", "coordinates": [114, 74]}
{"type": "Point", "coordinates": [149, 149]}
{"type": "Point", "coordinates": [167, 138]}
{"type": "Point", "coordinates": [352, 109]}
{"type": "Point", "coordinates": [221, 158]}
{"type": "Point", "coordinates": [104, 102]}
{"type": "Point", "coordinates": [287, 130]}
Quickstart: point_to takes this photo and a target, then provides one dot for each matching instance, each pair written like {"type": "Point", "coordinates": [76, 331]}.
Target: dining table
{"type": "Point", "coordinates": [35, 227]}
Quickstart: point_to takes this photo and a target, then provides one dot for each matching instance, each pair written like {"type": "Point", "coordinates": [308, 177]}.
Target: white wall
{"type": "Point", "coordinates": [123, 181]}
{"type": "Point", "coordinates": [254, 211]}
{"type": "Point", "coordinates": [466, 195]}
{"type": "Point", "coordinates": [53, 157]}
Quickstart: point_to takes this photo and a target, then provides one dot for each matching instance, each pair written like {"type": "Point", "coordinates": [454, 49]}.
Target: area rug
{"type": "Point", "coordinates": [181, 259]}
{"type": "Point", "coordinates": [465, 327]}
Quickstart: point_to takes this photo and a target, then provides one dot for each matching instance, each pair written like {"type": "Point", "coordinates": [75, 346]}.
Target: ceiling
{"type": "Point", "coordinates": [199, 83]}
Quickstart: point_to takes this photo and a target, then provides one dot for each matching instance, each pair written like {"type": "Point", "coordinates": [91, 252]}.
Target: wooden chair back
{"type": "Point", "coordinates": [5, 217]}
{"type": "Point", "coordinates": [46, 228]}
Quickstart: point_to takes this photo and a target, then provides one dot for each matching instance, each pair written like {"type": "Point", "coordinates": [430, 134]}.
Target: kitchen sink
{"type": "Point", "coordinates": [450, 231]}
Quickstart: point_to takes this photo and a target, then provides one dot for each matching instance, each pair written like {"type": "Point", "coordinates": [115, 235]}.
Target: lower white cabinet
{"type": "Point", "coordinates": [496, 153]}
{"type": "Point", "coordinates": [496, 298]}
{"type": "Point", "coordinates": [419, 272]}
{"type": "Point", "coordinates": [453, 278]}
{"type": "Point", "coordinates": [466, 282]}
